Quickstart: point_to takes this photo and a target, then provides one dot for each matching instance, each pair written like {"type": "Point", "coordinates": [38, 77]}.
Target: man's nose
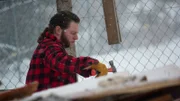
{"type": "Point", "coordinates": [76, 37]}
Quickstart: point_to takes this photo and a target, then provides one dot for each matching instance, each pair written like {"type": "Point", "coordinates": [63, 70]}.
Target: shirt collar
{"type": "Point", "coordinates": [52, 37]}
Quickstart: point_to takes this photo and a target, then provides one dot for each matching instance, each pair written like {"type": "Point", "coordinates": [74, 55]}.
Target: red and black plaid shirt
{"type": "Point", "coordinates": [51, 66]}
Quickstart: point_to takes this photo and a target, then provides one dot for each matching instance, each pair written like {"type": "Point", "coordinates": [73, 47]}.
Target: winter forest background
{"type": "Point", "coordinates": [150, 31]}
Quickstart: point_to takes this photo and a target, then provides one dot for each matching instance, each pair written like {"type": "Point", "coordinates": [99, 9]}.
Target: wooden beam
{"type": "Point", "coordinates": [165, 97]}
{"type": "Point", "coordinates": [66, 5]}
{"type": "Point", "coordinates": [111, 20]}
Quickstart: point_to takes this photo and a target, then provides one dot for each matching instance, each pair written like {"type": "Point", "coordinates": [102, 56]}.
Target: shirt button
{"type": "Point", "coordinates": [59, 78]}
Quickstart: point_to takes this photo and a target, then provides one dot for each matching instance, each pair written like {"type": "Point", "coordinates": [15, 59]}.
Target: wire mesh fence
{"type": "Point", "coordinates": [150, 31]}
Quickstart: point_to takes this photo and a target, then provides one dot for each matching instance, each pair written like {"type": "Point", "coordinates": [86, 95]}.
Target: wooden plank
{"type": "Point", "coordinates": [19, 93]}
{"type": "Point", "coordinates": [66, 5]}
{"type": "Point", "coordinates": [111, 20]}
{"type": "Point", "coordinates": [166, 97]}
{"type": "Point", "coordinates": [90, 90]}
{"type": "Point", "coordinates": [133, 93]}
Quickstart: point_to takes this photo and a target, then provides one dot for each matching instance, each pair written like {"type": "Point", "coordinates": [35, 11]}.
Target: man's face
{"type": "Point", "coordinates": [70, 35]}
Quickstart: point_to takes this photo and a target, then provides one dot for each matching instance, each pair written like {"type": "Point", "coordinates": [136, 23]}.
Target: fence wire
{"type": "Point", "coordinates": [150, 31]}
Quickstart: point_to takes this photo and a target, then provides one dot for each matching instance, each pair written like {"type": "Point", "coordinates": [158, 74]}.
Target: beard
{"type": "Point", "coordinates": [64, 39]}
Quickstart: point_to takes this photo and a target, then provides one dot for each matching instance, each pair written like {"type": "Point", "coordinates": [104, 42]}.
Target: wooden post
{"type": "Point", "coordinates": [111, 20]}
{"type": "Point", "coordinates": [66, 5]}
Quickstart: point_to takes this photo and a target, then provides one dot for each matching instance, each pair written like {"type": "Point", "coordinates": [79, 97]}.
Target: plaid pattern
{"type": "Point", "coordinates": [51, 66]}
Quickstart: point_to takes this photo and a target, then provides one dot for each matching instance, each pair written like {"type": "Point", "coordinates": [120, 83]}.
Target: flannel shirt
{"type": "Point", "coordinates": [51, 66]}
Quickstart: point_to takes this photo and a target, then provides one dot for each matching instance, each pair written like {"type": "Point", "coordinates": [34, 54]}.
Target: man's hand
{"type": "Point", "coordinates": [100, 68]}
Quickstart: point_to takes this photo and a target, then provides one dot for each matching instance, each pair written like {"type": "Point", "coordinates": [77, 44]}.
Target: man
{"type": "Point", "coordinates": [50, 65]}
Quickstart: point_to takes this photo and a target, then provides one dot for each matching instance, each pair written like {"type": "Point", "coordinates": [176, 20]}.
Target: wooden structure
{"type": "Point", "coordinates": [116, 87]}
{"type": "Point", "coordinates": [164, 87]}
{"type": "Point", "coordinates": [19, 93]}
{"type": "Point", "coordinates": [111, 20]}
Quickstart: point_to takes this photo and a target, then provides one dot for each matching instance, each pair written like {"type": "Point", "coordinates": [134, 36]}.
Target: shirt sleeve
{"type": "Point", "coordinates": [60, 61]}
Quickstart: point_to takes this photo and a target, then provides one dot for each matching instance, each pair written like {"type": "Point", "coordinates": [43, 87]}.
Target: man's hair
{"type": "Point", "coordinates": [62, 19]}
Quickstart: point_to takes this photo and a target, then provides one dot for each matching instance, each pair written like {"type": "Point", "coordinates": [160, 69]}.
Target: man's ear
{"type": "Point", "coordinates": [58, 30]}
